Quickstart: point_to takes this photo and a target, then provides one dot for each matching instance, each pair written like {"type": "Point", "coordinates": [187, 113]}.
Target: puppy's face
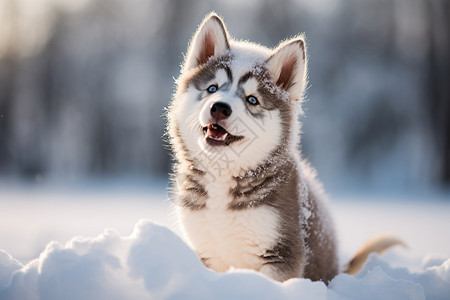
{"type": "Point", "coordinates": [234, 102]}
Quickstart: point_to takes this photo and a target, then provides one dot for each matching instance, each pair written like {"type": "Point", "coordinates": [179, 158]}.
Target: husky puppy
{"type": "Point", "coordinates": [245, 198]}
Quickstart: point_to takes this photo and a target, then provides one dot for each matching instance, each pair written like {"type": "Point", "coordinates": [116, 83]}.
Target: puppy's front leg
{"type": "Point", "coordinates": [282, 265]}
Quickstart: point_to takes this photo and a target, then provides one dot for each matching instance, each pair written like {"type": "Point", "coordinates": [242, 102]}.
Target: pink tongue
{"type": "Point", "coordinates": [216, 131]}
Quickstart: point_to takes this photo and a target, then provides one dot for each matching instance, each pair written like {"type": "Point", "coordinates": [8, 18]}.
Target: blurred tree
{"type": "Point", "coordinates": [8, 32]}
{"type": "Point", "coordinates": [438, 82]}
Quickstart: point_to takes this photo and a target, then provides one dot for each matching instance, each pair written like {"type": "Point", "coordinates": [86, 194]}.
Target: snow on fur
{"type": "Point", "coordinates": [153, 262]}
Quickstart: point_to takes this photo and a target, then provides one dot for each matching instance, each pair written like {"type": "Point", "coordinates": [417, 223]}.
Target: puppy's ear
{"type": "Point", "coordinates": [211, 39]}
{"type": "Point", "coordinates": [287, 65]}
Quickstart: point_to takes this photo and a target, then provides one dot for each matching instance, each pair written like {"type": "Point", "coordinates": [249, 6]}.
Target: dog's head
{"type": "Point", "coordinates": [236, 102]}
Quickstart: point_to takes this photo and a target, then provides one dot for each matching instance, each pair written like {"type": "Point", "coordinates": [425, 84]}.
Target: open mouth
{"type": "Point", "coordinates": [216, 135]}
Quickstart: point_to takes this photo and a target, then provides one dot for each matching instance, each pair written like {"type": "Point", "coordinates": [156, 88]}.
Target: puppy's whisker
{"type": "Point", "coordinates": [192, 122]}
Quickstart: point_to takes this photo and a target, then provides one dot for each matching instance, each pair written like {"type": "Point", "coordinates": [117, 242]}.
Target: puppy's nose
{"type": "Point", "coordinates": [220, 110]}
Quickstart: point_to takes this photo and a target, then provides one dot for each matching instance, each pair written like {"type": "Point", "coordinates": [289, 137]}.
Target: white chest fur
{"type": "Point", "coordinates": [229, 238]}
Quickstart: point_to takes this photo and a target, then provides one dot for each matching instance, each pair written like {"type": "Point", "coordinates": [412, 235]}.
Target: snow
{"type": "Point", "coordinates": [152, 261]}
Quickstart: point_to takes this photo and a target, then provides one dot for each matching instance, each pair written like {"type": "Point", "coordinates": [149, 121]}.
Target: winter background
{"type": "Point", "coordinates": [84, 168]}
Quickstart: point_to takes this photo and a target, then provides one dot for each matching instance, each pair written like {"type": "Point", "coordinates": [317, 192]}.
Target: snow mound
{"type": "Point", "coordinates": [153, 262]}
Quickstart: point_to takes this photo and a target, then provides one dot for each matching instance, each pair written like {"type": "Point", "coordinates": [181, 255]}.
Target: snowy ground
{"type": "Point", "coordinates": [135, 261]}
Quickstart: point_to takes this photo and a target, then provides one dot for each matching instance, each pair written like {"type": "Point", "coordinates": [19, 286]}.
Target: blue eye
{"type": "Point", "coordinates": [252, 100]}
{"type": "Point", "coordinates": [212, 88]}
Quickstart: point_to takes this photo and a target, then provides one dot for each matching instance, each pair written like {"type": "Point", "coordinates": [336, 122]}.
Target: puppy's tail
{"type": "Point", "coordinates": [377, 244]}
